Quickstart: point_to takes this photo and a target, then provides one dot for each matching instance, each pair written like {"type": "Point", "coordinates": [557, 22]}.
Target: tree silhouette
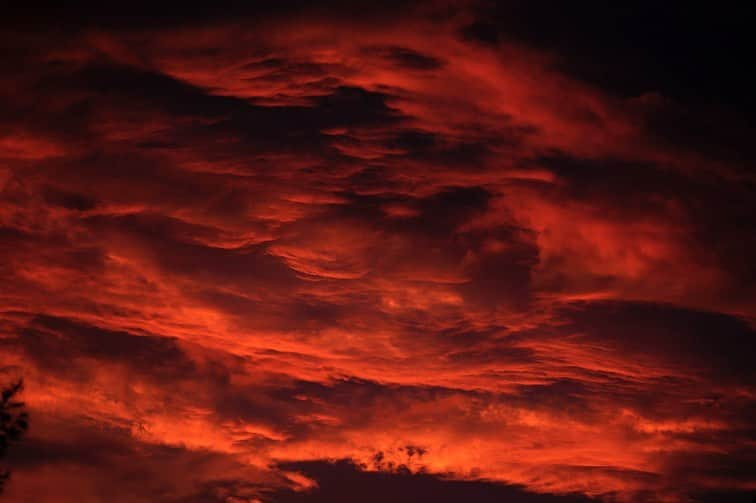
{"type": "Point", "coordinates": [14, 421]}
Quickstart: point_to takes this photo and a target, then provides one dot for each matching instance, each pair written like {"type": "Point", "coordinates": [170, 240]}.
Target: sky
{"type": "Point", "coordinates": [378, 251]}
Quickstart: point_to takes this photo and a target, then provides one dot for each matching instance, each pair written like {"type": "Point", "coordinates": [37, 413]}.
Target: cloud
{"type": "Point", "coordinates": [271, 249]}
{"type": "Point", "coordinates": [343, 481]}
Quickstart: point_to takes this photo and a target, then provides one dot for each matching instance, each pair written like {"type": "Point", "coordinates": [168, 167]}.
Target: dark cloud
{"type": "Point", "coordinates": [686, 63]}
{"type": "Point", "coordinates": [481, 251]}
{"type": "Point", "coordinates": [54, 344]}
{"type": "Point", "coordinates": [89, 463]}
{"type": "Point", "coordinates": [70, 200]}
{"type": "Point", "coordinates": [692, 54]}
{"type": "Point", "coordinates": [406, 58]}
{"type": "Point", "coordinates": [141, 14]}
{"type": "Point", "coordinates": [343, 481]}
{"type": "Point", "coordinates": [701, 341]}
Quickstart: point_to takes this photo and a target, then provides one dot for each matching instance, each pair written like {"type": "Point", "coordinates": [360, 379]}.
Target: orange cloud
{"type": "Point", "coordinates": [233, 249]}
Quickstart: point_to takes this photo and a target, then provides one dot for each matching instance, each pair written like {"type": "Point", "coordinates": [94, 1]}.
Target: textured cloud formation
{"type": "Point", "coordinates": [324, 254]}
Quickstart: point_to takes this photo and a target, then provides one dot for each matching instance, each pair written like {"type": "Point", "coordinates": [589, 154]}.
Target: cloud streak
{"type": "Point", "coordinates": [278, 249]}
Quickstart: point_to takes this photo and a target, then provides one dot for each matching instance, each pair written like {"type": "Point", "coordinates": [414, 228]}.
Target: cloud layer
{"type": "Point", "coordinates": [245, 257]}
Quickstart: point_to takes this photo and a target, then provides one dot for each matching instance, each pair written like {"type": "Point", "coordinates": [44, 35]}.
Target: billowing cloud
{"type": "Point", "coordinates": [248, 254]}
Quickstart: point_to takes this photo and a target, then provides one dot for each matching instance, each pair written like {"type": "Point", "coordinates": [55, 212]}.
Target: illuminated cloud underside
{"type": "Point", "coordinates": [234, 251]}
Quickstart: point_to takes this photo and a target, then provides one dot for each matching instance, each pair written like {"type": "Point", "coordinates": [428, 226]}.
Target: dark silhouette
{"type": "Point", "coordinates": [14, 421]}
{"type": "Point", "coordinates": [345, 482]}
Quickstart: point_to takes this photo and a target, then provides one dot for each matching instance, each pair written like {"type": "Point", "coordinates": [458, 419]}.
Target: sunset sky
{"type": "Point", "coordinates": [379, 252]}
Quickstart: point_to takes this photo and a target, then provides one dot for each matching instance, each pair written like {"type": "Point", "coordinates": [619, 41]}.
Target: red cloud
{"type": "Point", "coordinates": [232, 247]}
